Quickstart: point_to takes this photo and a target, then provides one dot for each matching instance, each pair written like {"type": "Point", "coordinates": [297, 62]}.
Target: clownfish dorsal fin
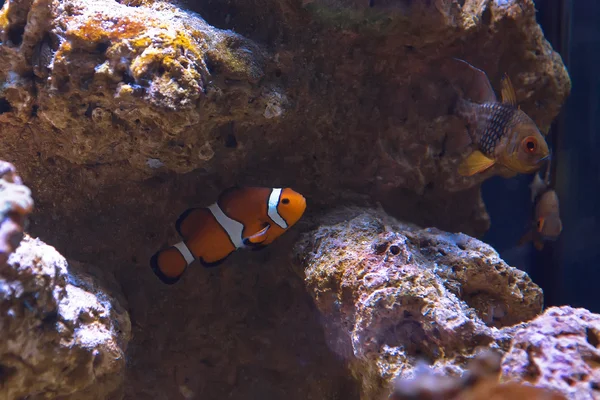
{"type": "Point", "coordinates": [228, 192]}
{"type": "Point", "coordinates": [189, 220]}
{"type": "Point", "coordinates": [258, 237]}
{"type": "Point", "coordinates": [193, 217]}
{"type": "Point", "coordinates": [508, 91]}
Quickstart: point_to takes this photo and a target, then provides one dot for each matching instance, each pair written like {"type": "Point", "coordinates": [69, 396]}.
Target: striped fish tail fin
{"type": "Point", "coordinates": [170, 264]}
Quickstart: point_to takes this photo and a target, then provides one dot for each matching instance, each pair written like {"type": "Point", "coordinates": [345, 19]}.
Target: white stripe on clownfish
{"type": "Point", "coordinates": [233, 228]}
{"type": "Point", "coordinates": [272, 208]}
{"type": "Point", "coordinates": [185, 252]}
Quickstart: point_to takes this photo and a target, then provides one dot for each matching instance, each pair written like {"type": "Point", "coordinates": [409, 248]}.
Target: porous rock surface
{"type": "Point", "coordinates": [122, 114]}
{"type": "Point", "coordinates": [479, 382]}
{"type": "Point", "coordinates": [393, 294]}
{"type": "Point", "coordinates": [63, 335]}
{"type": "Point", "coordinates": [15, 206]}
{"type": "Point", "coordinates": [558, 350]}
{"type": "Point", "coordinates": [344, 101]}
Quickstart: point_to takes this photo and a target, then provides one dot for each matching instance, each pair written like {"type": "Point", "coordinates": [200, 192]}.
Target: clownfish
{"type": "Point", "coordinates": [241, 218]}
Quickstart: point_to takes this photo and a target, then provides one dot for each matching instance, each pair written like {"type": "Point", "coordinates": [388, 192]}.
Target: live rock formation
{"type": "Point", "coordinates": [559, 350]}
{"type": "Point", "coordinates": [63, 335]}
{"type": "Point", "coordinates": [392, 294]}
{"type": "Point", "coordinates": [119, 115]}
{"type": "Point", "coordinates": [479, 382]}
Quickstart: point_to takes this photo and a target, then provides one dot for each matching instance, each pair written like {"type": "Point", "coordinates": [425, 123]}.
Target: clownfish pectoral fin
{"type": "Point", "coordinates": [257, 238]}
{"type": "Point", "coordinates": [169, 264]}
{"type": "Point", "coordinates": [476, 162]}
{"type": "Point", "coordinates": [508, 91]}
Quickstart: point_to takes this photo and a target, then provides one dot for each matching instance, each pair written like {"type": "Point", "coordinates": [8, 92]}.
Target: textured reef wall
{"type": "Point", "coordinates": [393, 295]}
{"type": "Point", "coordinates": [63, 334]}
{"type": "Point", "coordinates": [119, 115]}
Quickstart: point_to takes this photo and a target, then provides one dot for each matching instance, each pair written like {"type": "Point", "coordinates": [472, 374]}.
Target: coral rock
{"type": "Point", "coordinates": [106, 69]}
{"type": "Point", "coordinates": [119, 115]}
{"type": "Point", "coordinates": [393, 294]}
{"type": "Point", "coordinates": [62, 334]}
{"type": "Point", "coordinates": [17, 204]}
{"type": "Point", "coordinates": [558, 350]}
{"type": "Point", "coordinates": [480, 382]}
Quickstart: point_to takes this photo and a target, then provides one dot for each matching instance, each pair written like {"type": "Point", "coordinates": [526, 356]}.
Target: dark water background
{"type": "Point", "coordinates": [568, 270]}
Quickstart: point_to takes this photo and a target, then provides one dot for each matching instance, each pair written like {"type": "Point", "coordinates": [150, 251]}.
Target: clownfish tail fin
{"type": "Point", "coordinates": [169, 264]}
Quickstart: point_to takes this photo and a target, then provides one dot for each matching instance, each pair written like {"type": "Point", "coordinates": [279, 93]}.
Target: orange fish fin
{"type": "Point", "coordinates": [227, 194]}
{"type": "Point", "coordinates": [476, 162]}
{"type": "Point", "coordinates": [190, 220]}
{"type": "Point", "coordinates": [169, 264]}
{"type": "Point", "coordinates": [258, 237]}
{"type": "Point", "coordinates": [207, 264]}
{"type": "Point", "coordinates": [527, 237]}
{"type": "Point", "coordinates": [508, 91]}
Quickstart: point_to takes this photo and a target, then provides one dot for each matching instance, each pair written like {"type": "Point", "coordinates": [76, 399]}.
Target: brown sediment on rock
{"type": "Point", "coordinates": [392, 294]}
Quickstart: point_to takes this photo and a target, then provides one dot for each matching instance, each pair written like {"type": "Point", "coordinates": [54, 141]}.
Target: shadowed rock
{"type": "Point", "coordinates": [63, 335]}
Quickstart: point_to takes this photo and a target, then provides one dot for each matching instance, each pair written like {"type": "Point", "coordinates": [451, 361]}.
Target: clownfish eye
{"type": "Point", "coordinates": [530, 144]}
{"type": "Point", "coordinates": [285, 201]}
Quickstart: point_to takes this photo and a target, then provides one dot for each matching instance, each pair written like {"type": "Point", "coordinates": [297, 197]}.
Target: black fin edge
{"type": "Point", "coordinates": [181, 218]}
{"type": "Point", "coordinates": [213, 264]}
{"type": "Point", "coordinates": [227, 191]}
{"type": "Point", "coordinates": [254, 246]}
{"type": "Point", "coordinates": [165, 279]}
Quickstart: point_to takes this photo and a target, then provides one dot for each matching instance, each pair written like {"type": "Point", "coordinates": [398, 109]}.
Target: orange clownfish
{"type": "Point", "coordinates": [242, 218]}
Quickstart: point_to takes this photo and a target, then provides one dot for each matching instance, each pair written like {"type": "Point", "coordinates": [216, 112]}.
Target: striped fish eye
{"type": "Point", "coordinates": [285, 200]}
{"type": "Point", "coordinates": [530, 144]}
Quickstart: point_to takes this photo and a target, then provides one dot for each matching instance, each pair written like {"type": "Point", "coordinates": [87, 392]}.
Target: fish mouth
{"type": "Point", "coordinates": [547, 157]}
